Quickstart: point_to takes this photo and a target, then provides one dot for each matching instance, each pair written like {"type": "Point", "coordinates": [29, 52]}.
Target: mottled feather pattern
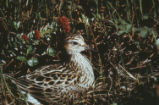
{"type": "Point", "coordinates": [64, 81]}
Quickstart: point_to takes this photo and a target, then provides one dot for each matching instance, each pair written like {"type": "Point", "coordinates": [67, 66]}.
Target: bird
{"type": "Point", "coordinates": [56, 83]}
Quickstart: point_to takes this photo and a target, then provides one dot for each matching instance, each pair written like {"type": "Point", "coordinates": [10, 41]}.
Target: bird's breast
{"type": "Point", "coordinates": [84, 66]}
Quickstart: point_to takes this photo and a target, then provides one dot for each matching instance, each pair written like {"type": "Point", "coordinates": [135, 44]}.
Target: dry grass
{"type": "Point", "coordinates": [123, 34]}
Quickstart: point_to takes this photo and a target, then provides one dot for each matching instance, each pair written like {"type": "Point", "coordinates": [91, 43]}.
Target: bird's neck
{"type": "Point", "coordinates": [77, 57]}
{"type": "Point", "coordinates": [79, 60]}
{"type": "Point", "coordinates": [83, 65]}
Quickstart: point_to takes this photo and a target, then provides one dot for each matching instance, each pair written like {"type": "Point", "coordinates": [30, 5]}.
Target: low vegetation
{"type": "Point", "coordinates": [123, 33]}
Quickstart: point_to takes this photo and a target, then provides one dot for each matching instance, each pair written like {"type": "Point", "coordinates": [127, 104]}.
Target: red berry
{"type": "Point", "coordinates": [37, 35]}
{"type": "Point", "coordinates": [65, 24]}
{"type": "Point", "coordinates": [24, 36]}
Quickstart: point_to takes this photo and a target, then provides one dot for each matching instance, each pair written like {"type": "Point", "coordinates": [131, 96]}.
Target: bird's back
{"type": "Point", "coordinates": [54, 83]}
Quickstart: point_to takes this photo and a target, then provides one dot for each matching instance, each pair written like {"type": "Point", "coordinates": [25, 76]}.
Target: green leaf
{"type": "Point", "coordinates": [44, 32]}
{"type": "Point", "coordinates": [50, 51]}
{"type": "Point", "coordinates": [21, 58]}
{"type": "Point", "coordinates": [157, 43]}
{"type": "Point", "coordinates": [29, 50]}
{"type": "Point", "coordinates": [121, 32]}
{"type": "Point", "coordinates": [32, 62]}
{"type": "Point", "coordinates": [16, 24]}
{"type": "Point", "coordinates": [144, 32]}
{"type": "Point", "coordinates": [85, 19]}
{"type": "Point", "coordinates": [6, 3]}
{"type": "Point", "coordinates": [140, 4]}
{"type": "Point", "coordinates": [128, 27]}
{"type": "Point", "coordinates": [122, 21]}
{"type": "Point", "coordinates": [145, 17]}
{"type": "Point", "coordinates": [153, 32]}
{"type": "Point", "coordinates": [79, 7]}
{"type": "Point", "coordinates": [114, 103]}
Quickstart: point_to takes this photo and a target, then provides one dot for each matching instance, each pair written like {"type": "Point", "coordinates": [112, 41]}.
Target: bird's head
{"type": "Point", "coordinates": [75, 44]}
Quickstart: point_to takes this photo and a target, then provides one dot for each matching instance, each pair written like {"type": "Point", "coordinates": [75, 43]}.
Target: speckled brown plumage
{"type": "Point", "coordinates": [57, 83]}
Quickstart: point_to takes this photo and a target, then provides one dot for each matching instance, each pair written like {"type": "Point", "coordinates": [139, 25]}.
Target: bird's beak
{"type": "Point", "coordinates": [87, 47]}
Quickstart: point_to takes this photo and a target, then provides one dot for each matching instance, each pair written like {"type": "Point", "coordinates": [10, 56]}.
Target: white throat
{"type": "Point", "coordinates": [87, 78]}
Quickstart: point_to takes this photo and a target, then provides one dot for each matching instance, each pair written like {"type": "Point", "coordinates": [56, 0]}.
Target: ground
{"type": "Point", "coordinates": [123, 35]}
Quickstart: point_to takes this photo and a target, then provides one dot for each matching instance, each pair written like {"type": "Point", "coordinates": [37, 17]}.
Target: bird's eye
{"type": "Point", "coordinates": [75, 43]}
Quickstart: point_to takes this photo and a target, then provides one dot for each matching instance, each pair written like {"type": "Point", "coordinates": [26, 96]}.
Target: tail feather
{"type": "Point", "coordinates": [9, 98]}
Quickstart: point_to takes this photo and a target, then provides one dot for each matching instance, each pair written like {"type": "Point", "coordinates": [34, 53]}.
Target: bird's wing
{"type": "Point", "coordinates": [54, 75]}
{"type": "Point", "coordinates": [49, 82]}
